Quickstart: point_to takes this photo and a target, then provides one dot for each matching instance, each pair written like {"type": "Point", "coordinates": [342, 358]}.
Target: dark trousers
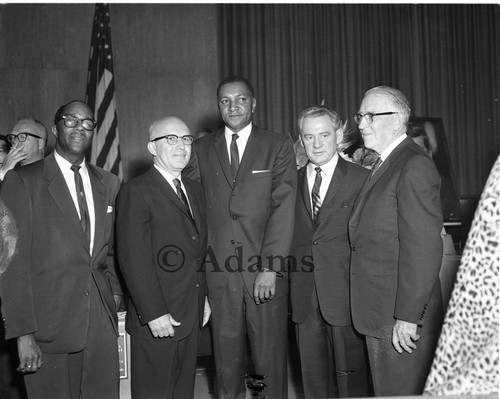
{"type": "Point", "coordinates": [234, 316]}
{"type": "Point", "coordinates": [400, 374]}
{"type": "Point", "coordinates": [92, 373]}
{"type": "Point", "coordinates": [162, 368]}
{"type": "Point", "coordinates": [333, 359]}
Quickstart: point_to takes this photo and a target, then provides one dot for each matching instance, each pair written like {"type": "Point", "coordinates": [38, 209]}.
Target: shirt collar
{"type": "Point", "coordinates": [328, 168]}
{"type": "Point", "coordinates": [65, 164]}
{"type": "Point", "coordinates": [391, 147]}
{"type": "Point", "coordinates": [243, 134]}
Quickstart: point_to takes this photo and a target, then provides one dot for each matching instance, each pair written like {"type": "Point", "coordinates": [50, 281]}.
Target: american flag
{"type": "Point", "coordinates": [100, 95]}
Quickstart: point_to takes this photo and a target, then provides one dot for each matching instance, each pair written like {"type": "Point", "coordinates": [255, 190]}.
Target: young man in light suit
{"type": "Point", "coordinates": [396, 249]}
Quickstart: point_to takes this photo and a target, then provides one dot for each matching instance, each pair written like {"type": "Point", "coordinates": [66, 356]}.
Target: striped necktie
{"type": "Point", "coordinates": [316, 200]}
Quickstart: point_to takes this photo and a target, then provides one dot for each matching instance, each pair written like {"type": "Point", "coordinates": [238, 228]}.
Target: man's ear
{"type": "Point", "coordinates": [254, 103]}
{"type": "Point", "coordinates": [398, 121]}
{"type": "Point", "coordinates": [301, 142]}
{"type": "Point", "coordinates": [54, 131]}
{"type": "Point", "coordinates": [152, 148]}
{"type": "Point", "coordinates": [340, 135]}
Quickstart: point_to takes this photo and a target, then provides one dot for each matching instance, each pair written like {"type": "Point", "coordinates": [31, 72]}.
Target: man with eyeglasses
{"type": "Point", "coordinates": [161, 240]}
{"type": "Point", "coordinates": [396, 249]}
{"type": "Point", "coordinates": [58, 291]}
{"type": "Point", "coordinates": [28, 140]}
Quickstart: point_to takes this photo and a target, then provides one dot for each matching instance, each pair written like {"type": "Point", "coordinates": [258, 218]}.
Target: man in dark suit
{"type": "Point", "coordinates": [249, 180]}
{"type": "Point", "coordinates": [332, 356]}
{"type": "Point", "coordinates": [396, 249]}
{"type": "Point", "coordinates": [161, 239]}
{"type": "Point", "coordinates": [57, 292]}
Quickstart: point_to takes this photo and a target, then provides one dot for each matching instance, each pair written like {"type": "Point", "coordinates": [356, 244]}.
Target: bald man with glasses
{"type": "Point", "coordinates": [161, 238]}
{"type": "Point", "coordinates": [28, 139]}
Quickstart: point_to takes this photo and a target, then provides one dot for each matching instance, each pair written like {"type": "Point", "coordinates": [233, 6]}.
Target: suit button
{"type": "Point", "coordinates": [194, 238]}
{"type": "Point", "coordinates": [235, 218]}
{"type": "Point", "coordinates": [197, 285]}
{"type": "Point", "coordinates": [86, 293]}
{"type": "Point", "coordinates": [353, 249]}
{"type": "Point", "coordinates": [315, 242]}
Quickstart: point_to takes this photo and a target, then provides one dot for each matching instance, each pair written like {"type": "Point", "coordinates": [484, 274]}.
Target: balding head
{"type": "Point", "coordinates": [34, 146]}
{"type": "Point", "coordinates": [170, 154]}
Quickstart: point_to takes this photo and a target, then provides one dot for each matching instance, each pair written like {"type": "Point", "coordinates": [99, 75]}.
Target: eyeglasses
{"type": "Point", "coordinates": [173, 138]}
{"type": "Point", "coordinates": [369, 116]}
{"type": "Point", "coordinates": [72, 121]}
{"type": "Point", "coordinates": [20, 136]}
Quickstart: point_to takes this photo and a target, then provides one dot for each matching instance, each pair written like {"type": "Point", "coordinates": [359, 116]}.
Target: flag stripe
{"type": "Point", "coordinates": [105, 150]}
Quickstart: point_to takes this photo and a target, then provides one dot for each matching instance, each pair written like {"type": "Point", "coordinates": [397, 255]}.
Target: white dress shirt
{"type": "Point", "coordinates": [69, 177]}
{"type": "Point", "coordinates": [327, 171]}
{"type": "Point", "coordinates": [243, 136]}
{"type": "Point", "coordinates": [169, 177]}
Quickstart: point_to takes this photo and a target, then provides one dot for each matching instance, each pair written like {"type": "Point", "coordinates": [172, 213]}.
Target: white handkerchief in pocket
{"type": "Point", "coordinates": [260, 171]}
{"type": "Point", "coordinates": [110, 209]}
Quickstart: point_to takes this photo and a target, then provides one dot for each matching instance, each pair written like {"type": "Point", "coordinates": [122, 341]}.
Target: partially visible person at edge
{"type": "Point", "coordinates": [27, 139]}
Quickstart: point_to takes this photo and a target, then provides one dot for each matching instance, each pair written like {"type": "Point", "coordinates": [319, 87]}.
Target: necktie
{"type": "Point", "coordinates": [376, 166]}
{"type": "Point", "coordinates": [316, 201]}
{"type": "Point", "coordinates": [235, 156]}
{"type": "Point", "coordinates": [181, 195]}
{"type": "Point", "coordinates": [82, 201]}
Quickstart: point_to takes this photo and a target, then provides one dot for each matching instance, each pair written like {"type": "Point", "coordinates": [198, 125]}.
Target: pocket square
{"type": "Point", "coordinates": [110, 209]}
{"type": "Point", "coordinates": [260, 171]}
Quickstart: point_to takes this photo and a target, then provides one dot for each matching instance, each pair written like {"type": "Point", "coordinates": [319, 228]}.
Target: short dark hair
{"type": "Point", "coordinates": [60, 111]}
{"type": "Point", "coordinates": [235, 79]}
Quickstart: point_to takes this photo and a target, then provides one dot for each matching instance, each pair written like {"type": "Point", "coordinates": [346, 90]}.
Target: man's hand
{"type": "Point", "coordinates": [15, 155]}
{"type": "Point", "coordinates": [264, 286]}
{"type": "Point", "coordinates": [163, 326]}
{"type": "Point", "coordinates": [30, 355]}
{"type": "Point", "coordinates": [403, 336]}
{"type": "Point", "coordinates": [206, 312]}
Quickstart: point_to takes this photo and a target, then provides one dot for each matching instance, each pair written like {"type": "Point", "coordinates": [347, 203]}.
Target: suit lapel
{"type": "Point", "coordinates": [370, 182]}
{"type": "Point", "coordinates": [221, 151]}
{"type": "Point", "coordinates": [61, 195]}
{"type": "Point", "coordinates": [303, 186]}
{"type": "Point", "coordinates": [337, 181]}
{"type": "Point", "coordinates": [253, 147]}
{"type": "Point", "coordinates": [167, 190]}
{"type": "Point", "coordinates": [100, 206]}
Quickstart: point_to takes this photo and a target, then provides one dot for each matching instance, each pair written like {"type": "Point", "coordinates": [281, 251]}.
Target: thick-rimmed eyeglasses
{"type": "Point", "coordinates": [358, 117]}
{"type": "Point", "coordinates": [72, 121]}
{"type": "Point", "coordinates": [20, 136]}
{"type": "Point", "coordinates": [173, 138]}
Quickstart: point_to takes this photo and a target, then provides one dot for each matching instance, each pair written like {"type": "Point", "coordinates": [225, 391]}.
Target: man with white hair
{"type": "Point", "coordinates": [396, 249]}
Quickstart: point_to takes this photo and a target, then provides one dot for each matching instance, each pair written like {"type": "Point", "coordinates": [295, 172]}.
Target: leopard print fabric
{"type": "Point", "coordinates": [466, 360]}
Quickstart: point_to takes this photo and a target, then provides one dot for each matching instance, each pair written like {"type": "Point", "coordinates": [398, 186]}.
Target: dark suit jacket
{"type": "Point", "coordinates": [45, 289]}
{"type": "Point", "coordinates": [252, 217]}
{"type": "Point", "coordinates": [160, 253]}
{"type": "Point", "coordinates": [396, 245]}
{"type": "Point", "coordinates": [322, 249]}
